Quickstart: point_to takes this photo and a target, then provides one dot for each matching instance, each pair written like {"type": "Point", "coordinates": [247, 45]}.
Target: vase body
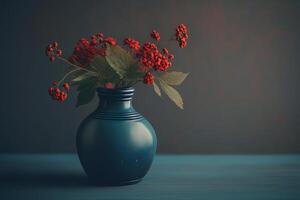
{"type": "Point", "coordinates": [115, 144]}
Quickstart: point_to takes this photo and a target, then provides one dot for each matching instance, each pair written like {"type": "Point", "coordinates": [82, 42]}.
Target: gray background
{"type": "Point", "coordinates": [242, 95]}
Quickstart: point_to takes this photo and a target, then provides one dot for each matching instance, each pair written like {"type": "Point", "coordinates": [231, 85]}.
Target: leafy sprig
{"type": "Point", "coordinates": [101, 62]}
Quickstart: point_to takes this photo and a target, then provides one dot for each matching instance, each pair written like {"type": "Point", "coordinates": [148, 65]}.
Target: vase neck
{"type": "Point", "coordinates": [115, 100]}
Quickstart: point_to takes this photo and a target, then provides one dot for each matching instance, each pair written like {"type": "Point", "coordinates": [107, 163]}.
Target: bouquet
{"type": "Point", "coordinates": [101, 62]}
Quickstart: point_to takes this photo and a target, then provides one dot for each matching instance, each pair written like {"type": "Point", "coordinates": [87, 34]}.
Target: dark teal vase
{"type": "Point", "coordinates": [116, 144]}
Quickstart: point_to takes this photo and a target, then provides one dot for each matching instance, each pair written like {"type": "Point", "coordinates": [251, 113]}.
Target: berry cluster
{"type": "Point", "coordinates": [133, 44]}
{"type": "Point", "coordinates": [85, 50]}
{"type": "Point", "coordinates": [148, 78]}
{"type": "Point", "coordinates": [155, 35]}
{"type": "Point", "coordinates": [181, 35]}
{"type": "Point", "coordinates": [58, 94]}
{"type": "Point", "coordinates": [151, 57]}
{"type": "Point", "coordinates": [109, 85]}
{"type": "Point", "coordinates": [111, 41]}
{"type": "Point", "coordinates": [52, 51]}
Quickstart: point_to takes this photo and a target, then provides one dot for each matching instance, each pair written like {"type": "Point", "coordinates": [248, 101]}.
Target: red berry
{"type": "Point", "coordinates": [57, 95]}
{"type": "Point", "coordinates": [66, 86]}
{"type": "Point", "coordinates": [182, 44]}
{"type": "Point", "coordinates": [133, 44]}
{"type": "Point", "coordinates": [100, 35]}
{"type": "Point", "coordinates": [155, 35]}
{"type": "Point", "coordinates": [171, 56]}
{"type": "Point", "coordinates": [149, 79]}
{"type": "Point", "coordinates": [94, 41]}
{"type": "Point", "coordinates": [57, 90]}
{"type": "Point", "coordinates": [59, 52]}
{"type": "Point", "coordinates": [63, 96]}
{"type": "Point", "coordinates": [111, 41]}
{"type": "Point", "coordinates": [55, 45]}
{"type": "Point", "coordinates": [84, 42]}
{"type": "Point", "coordinates": [50, 91]}
{"type": "Point", "coordinates": [52, 58]}
{"type": "Point", "coordinates": [165, 51]}
{"type": "Point", "coordinates": [49, 49]}
{"type": "Point", "coordinates": [77, 49]}
{"type": "Point", "coordinates": [109, 85]}
{"type": "Point", "coordinates": [54, 83]}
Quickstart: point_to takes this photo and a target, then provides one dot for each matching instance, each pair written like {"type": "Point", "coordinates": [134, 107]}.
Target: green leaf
{"type": "Point", "coordinates": [87, 83]}
{"type": "Point", "coordinates": [86, 90]}
{"type": "Point", "coordinates": [172, 93]}
{"type": "Point", "coordinates": [119, 59]}
{"type": "Point", "coordinates": [174, 78]}
{"type": "Point", "coordinates": [105, 71]}
{"type": "Point", "coordinates": [156, 89]}
{"type": "Point", "coordinates": [133, 72]}
{"type": "Point", "coordinates": [76, 73]}
{"type": "Point", "coordinates": [71, 74]}
{"type": "Point", "coordinates": [82, 77]}
{"type": "Point", "coordinates": [85, 96]}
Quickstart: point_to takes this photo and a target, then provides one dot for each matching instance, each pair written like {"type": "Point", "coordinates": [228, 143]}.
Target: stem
{"type": "Point", "coordinates": [70, 72]}
{"type": "Point", "coordinates": [65, 76]}
{"type": "Point", "coordinates": [66, 61]}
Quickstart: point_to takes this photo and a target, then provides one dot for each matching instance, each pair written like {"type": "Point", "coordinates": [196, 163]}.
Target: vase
{"type": "Point", "coordinates": [116, 144]}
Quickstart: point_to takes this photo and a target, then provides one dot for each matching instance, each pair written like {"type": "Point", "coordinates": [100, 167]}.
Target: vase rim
{"type": "Point", "coordinates": [115, 90]}
{"type": "Point", "coordinates": [125, 93]}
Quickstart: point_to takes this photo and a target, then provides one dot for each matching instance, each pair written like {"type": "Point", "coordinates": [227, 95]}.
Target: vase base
{"type": "Point", "coordinates": [131, 182]}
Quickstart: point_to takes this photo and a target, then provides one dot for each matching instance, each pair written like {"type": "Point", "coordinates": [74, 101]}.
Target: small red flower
{"type": "Point", "coordinates": [149, 79]}
{"type": "Point", "coordinates": [111, 41]}
{"type": "Point", "coordinates": [155, 35]}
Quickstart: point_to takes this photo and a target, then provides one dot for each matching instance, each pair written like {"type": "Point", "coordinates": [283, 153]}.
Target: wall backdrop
{"type": "Point", "coordinates": [242, 94]}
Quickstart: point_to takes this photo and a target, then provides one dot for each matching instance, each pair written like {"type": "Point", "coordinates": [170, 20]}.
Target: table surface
{"type": "Point", "coordinates": [171, 177]}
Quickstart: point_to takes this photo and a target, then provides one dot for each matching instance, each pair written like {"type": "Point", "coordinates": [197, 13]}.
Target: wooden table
{"type": "Point", "coordinates": [171, 177]}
